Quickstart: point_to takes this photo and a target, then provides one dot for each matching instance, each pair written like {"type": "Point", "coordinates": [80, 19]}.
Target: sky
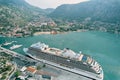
{"type": "Point", "coordinates": [52, 3]}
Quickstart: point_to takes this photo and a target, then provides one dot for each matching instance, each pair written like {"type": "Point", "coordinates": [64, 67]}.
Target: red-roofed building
{"type": "Point", "coordinates": [31, 69]}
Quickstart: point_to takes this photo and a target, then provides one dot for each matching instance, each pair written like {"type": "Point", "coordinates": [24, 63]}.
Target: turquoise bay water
{"type": "Point", "coordinates": [103, 47]}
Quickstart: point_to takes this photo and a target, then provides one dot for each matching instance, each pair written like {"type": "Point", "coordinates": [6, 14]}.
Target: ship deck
{"type": "Point", "coordinates": [54, 51]}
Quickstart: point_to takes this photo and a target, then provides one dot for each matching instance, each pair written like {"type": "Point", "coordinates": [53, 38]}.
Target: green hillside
{"type": "Point", "coordinates": [17, 13]}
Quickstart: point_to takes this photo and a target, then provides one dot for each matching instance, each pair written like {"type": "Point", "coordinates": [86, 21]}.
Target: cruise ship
{"type": "Point", "coordinates": [66, 59]}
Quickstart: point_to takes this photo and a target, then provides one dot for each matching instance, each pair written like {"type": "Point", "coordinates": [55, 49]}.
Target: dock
{"type": "Point", "coordinates": [15, 54]}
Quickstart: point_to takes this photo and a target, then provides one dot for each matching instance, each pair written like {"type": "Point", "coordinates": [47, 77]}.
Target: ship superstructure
{"type": "Point", "coordinates": [67, 58]}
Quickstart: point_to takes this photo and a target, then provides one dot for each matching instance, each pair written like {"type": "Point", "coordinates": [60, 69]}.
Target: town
{"type": "Point", "coordinates": [54, 27]}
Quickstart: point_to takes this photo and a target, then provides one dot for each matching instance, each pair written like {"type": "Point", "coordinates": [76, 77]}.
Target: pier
{"type": "Point", "coordinates": [15, 54]}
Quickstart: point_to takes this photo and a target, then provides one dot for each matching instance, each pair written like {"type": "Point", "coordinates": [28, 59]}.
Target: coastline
{"type": "Point", "coordinates": [40, 33]}
{"type": "Point", "coordinates": [56, 32]}
{"type": "Point", "coordinates": [50, 32]}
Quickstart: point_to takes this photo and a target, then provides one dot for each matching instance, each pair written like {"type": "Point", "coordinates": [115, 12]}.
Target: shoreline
{"type": "Point", "coordinates": [48, 32]}
{"type": "Point", "coordinates": [40, 33]}
{"type": "Point", "coordinates": [56, 32]}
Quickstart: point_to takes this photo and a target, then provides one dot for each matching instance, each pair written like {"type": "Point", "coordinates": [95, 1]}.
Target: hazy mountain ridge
{"type": "Point", "coordinates": [100, 10]}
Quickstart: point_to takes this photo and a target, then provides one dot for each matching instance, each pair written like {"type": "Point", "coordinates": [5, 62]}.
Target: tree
{"type": "Point", "coordinates": [8, 68]}
{"type": "Point", "coordinates": [44, 65]}
{"type": "Point", "coordinates": [38, 67]}
{"type": "Point", "coordinates": [3, 77]}
{"type": "Point", "coordinates": [17, 73]}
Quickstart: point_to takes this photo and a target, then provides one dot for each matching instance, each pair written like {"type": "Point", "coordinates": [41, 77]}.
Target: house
{"type": "Point", "coordinates": [21, 77]}
{"type": "Point", "coordinates": [31, 73]}
{"type": "Point", "coordinates": [23, 69]}
{"type": "Point", "coordinates": [31, 69]}
{"type": "Point", "coordinates": [44, 24]}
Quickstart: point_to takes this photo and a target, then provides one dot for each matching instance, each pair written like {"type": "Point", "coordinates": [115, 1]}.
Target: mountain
{"type": "Point", "coordinates": [96, 10]}
{"type": "Point", "coordinates": [48, 10]}
{"type": "Point", "coordinates": [18, 13]}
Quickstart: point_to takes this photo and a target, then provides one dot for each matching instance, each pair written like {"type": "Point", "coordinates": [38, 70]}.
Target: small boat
{"type": "Point", "coordinates": [15, 46]}
{"type": "Point", "coordinates": [8, 43]}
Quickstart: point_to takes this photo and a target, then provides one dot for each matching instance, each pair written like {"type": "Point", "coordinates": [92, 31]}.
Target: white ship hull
{"type": "Point", "coordinates": [67, 60]}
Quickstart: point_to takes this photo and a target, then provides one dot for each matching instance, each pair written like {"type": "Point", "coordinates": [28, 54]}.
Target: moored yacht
{"type": "Point", "coordinates": [15, 46]}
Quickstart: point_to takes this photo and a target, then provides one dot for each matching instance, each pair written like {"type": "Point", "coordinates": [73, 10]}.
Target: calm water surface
{"type": "Point", "coordinates": [103, 47]}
